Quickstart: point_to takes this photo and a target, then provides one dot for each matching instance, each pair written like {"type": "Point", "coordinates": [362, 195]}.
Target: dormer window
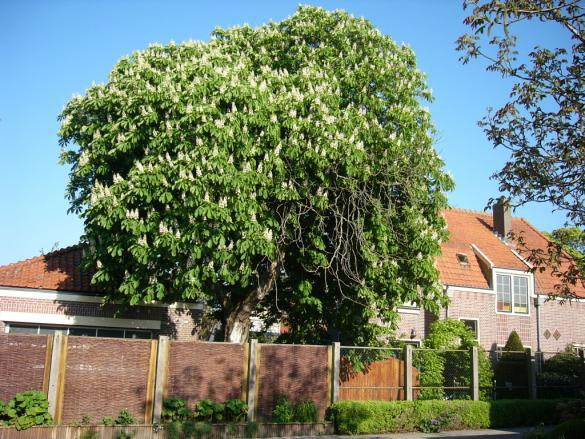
{"type": "Point", "coordinates": [512, 292]}
{"type": "Point", "coordinates": [462, 258]}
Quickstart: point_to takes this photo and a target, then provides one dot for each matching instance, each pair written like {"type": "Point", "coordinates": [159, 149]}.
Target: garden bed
{"type": "Point", "coordinates": [150, 432]}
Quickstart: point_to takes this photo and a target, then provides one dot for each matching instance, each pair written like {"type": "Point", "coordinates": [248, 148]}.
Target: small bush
{"type": "Point", "coordinates": [305, 411]}
{"type": "Point", "coordinates": [26, 410]}
{"type": "Point", "coordinates": [235, 410]}
{"type": "Point", "coordinates": [283, 411]}
{"type": "Point", "coordinates": [124, 418]}
{"type": "Point", "coordinates": [209, 411]}
{"type": "Point", "coordinates": [175, 410]}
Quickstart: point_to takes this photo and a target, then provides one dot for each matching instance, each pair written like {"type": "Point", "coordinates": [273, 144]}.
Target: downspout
{"type": "Point", "coordinates": [537, 305]}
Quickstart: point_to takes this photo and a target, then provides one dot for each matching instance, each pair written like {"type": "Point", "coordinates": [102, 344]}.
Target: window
{"type": "Point", "coordinates": [512, 292]}
{"type": "Point", "coordinates": [472, 324]}
{"type": "Point", "coordinates": [86, 331]}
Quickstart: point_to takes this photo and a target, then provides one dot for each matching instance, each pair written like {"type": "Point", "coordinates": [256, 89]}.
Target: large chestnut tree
{"type": "Point", "coordinates": [294, 159]}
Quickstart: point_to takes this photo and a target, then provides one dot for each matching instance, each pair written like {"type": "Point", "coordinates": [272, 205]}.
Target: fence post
{"type": "Point", "coordinates": [57, 376]}
{"type": "Point", "coordinates": [252, 380]}
{"type": "Point", "coordinates": [531, 373]}
{"type": "Point", "coordinates": [162, 374]}
{"type": "Point", "coordinates": [408, 372]}
{"type": "Point", "coordinates": [475, 373]}
{"type": "Point", "coordinates": [335, 377]}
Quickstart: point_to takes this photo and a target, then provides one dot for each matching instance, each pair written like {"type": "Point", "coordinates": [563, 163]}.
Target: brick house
{"type": "Point", "coordinates": [487, 280]}
{"type": "Point", "coordinates": [491, 288]}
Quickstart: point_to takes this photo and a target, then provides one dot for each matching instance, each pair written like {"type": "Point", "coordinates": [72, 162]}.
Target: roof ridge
{"type": "Point", "coordinates": [464, 210]}
{"type": "Point", "coordinates": [57, 252]}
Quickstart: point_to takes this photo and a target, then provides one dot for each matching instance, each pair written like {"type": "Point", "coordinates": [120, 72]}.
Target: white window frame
{"type": "Point", "coordinates": [529, 294]}
{"type": "Point", "coordinates": [476, 319]}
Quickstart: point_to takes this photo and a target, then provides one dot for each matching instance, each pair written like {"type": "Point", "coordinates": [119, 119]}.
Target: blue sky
{"type": "Point", "coordinates": [52, 50]}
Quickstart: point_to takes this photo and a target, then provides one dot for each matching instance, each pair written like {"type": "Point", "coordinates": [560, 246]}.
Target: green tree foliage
{"type": "Point", "coordinates": [293, 160]}
{"type": "Point", "coordinates": [439, 366]}
{"type": "Point", "coordinates": [543, 124]}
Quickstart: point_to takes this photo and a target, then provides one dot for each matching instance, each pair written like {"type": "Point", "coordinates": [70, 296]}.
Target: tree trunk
{"type": "Point", "coordinates": [237, 324]}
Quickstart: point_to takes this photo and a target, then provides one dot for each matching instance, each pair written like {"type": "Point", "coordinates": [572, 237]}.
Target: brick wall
{"type": "Point", "coordinates": [104, 376]}
{"type": "Point", "coordinates": [22, 363]}
{"type": "Point", "coordinates": [567, 318]}
{"type": "Point", "coordinates": [300, 372]}
{"type": "Point", "coordinates": [199, 370]}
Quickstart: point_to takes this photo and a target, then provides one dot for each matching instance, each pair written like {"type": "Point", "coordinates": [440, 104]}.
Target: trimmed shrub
{"type": "Point", "coordinates": [518, 412]}
{"type": "Point", "coordinates": [373, 417]}
{"type": "Point", "coordinates": [370, 417]}
{"type": "Point", "coordinates": [514, 343]}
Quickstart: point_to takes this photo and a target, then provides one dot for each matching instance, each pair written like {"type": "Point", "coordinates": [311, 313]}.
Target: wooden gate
{"type": "Point", "coordinates": [381, 380]}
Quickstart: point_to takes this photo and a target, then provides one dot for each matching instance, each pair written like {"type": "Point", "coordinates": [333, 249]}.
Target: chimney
{"type": "Point", "coordinates": [502, 218]}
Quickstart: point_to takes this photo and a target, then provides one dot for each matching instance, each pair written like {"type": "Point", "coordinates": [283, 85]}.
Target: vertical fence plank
{"type": "Point", "coordinates": [252, 379]}
{"type": "Point", "coordinates": [162, 369]}
{"type": "Point", "coordinates": [408, 372]}
{"type": "Point", "coordinates": [48, 360]}
{"type": "Point", "coordinates": [150, 382]}
{"type": "Point", "coordinates": [475, 373]}
{"type": "Point", "coordinates": [245, 370]}
{"type": "Point", "coordinates": [335, 375]}
{"type": "Point", "coordinates": [56, 375]}
{"type": "Point", "coordinates": [62, 368]}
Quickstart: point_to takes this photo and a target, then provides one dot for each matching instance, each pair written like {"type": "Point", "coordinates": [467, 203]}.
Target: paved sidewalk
{"type": "Point", "coordinates": [507, 433]}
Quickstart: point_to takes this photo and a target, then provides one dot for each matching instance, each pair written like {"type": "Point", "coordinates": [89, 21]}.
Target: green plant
{"type": "Point", "coordinates": [124, 434]}
{"type": "Point", "coordinates": [561, 376]}
{"type": "Point", "coordinates": [283, 410]}
{"type": "Point", "coordinates": [84, 421]}
{"type": "Point", "coordinates": [125, 418]}
{"type": "Point", "coordinates": [305, 411]}
{"type": "Point", "coordinates": [445, 336]}
{"type": "Point", "coordinates": [175, 409]}
{"type": "Point", "coordinates": [235, 410]}
{"type": "Point", "coordinates": [108, 421]}
{"type": "Point", "coordinates": [208, 411]}
{"type": "Point", "coordinates": [25, 410]}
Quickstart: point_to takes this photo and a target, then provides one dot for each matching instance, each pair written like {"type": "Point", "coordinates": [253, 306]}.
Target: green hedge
{"type": "Point", "coordinates": [372, 417]}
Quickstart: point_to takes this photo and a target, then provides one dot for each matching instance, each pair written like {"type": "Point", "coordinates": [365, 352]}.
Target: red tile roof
{"type": "Point", "coordinates": [468, 227]}
{"type": "Point", "coordinates": [58, 270]}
